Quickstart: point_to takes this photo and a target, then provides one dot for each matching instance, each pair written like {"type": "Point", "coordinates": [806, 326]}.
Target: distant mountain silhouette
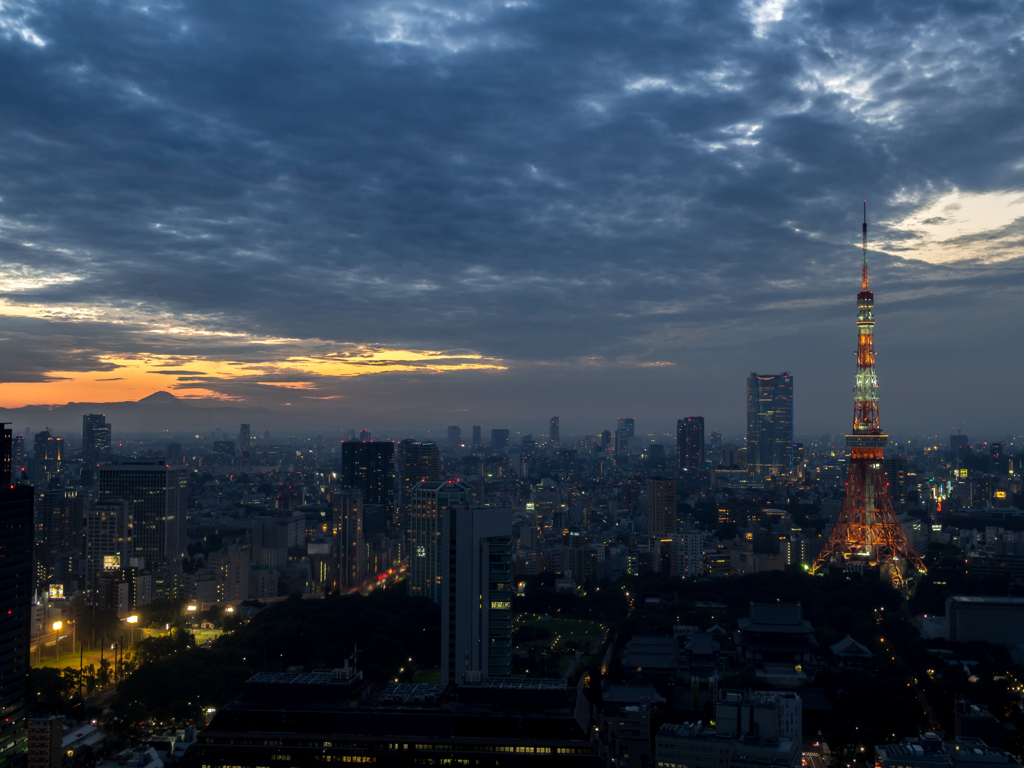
{"type": "Point", "coordinates": [158, 412]}
{"type": "Point", "coordinates": [160, 397]}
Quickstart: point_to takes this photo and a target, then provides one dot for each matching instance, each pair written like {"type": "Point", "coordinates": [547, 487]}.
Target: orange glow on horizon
{"type": "Point", "coordinates": [134, 378]}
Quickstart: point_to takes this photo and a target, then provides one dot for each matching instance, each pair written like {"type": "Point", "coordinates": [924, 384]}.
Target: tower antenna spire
{"type": "Point", "coordinates": [867, 532]}
{"type": "Point", "coordinates": [864, 266]}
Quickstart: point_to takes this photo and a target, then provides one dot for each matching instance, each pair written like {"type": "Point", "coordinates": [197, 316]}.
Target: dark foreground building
{"type": "Point", "coordinates": [330, 717]}
{"type": "Point", "coordinates": [16, 609]}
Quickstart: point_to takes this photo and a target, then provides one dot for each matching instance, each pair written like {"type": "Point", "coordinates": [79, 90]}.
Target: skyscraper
{"type": "Point", "coordinates": [347, 514]}
{"type": "Point", "coordinates": [108, 542]}
{"type": "Point", "coordinates": [690, 443]}
{"type": "Point", "coordinates": [416, 461]}
{"type": "Point", "coordinates": [364, 436]}
{"type": "Point", "coordinates": [157, 492]}
{"type": "Point", "coordinates": [478, 440]}
{"type": "Point", "coordinates": [48, 455]}
{"type": "Point", "coordinates": [499, 439]}
{"type": "Point", "coordinates": [661, 506]}
{"type": "Point", "coordinates": [429, 500]}
{"type": "Point", "coordinates": [370, 467]}
{"type": "Point", "coordinates": [58, 523]}
{"type": "Point", "coordinates": [624, 436]}
{"type": "Point", "coordinates": [244, 439]}
{"type": "Point", "coordinates": [770, 424]}
{"type": "Point", "coordinates": [16, 610]}
{"type": "Point", "coordinates": [454, 438]}
{"type": "Point", "coordinates": [6, 454]}
{"type": "Point", "coordinates": [553, 435]}
{"type": "Point", "coordinates": [95, 439]}
{"type": "Point", "coordinates": [476, 605]}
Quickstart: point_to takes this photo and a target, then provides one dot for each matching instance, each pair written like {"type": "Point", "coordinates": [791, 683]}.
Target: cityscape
{"type": "Point", "coordinates": [469, 383]}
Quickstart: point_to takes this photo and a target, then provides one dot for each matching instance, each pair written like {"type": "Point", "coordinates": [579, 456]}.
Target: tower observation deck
{"type": "Point", "coordinates": [867, 532]}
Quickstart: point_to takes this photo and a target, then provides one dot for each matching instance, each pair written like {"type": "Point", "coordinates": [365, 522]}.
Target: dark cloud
{"type": "Point", "coordinates": [578, 188]}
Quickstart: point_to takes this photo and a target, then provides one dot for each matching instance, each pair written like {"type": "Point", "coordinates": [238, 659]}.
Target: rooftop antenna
{"type": "Point", "coordinates": [864, 266]}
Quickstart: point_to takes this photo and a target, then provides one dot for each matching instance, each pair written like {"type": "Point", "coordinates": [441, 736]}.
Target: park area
{"type": "Point", "coordinates": [548, 646]}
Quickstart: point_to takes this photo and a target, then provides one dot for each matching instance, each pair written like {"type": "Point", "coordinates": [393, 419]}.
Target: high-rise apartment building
{"type": "Point", "coordinates": [476, 604]}
{"type": "Point", "coordinates": [364, 436]}
{"type": "Point", "coordinates": [48, 455]}
{"type": "Point", "coordinates": [244, 439]}
{"type": "Point", "coordinates": [108, 542]}
{"type": "Point", "coordinates": [690, 444]}
{"type": "Point", "coordinates": [370, 467]}
{"type": "Point", "coordinates": [770, 424]}
{"type": "Point", "coordinates": [553, 437]}
{"type": "Point", "coordinates": [347, 523]}
{"type": "Point", "coordinates": [157, 492]}
{"type": "Point", "coordinates": [686, 555]}
{"type": "Point", "coordinates": [478, 440]}
{"type": "Point", "coordinates": [95, 439]}
{"type": "Point", "coordinates": [454, 438]}
{"type": "Point", "coordinates": [896, 476]}
{"type": "Point", "coordinates": [624, 433]}
{"type": "Point", "coordinates": [16, 609]}
{"type": "Point", "coordinates": [232, 569]}
{"type": "Point", "coordinates": [416, 461]}
{"type": "Point", "coordinates": [661, 506]}
{"type": "Point", "coordinates": [499, 439]}
{"type": "Point", "coordinates": [429, 500]}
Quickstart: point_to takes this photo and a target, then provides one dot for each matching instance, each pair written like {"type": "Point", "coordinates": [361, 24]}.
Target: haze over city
{"type": "Point", "coordinates": [406, 215]}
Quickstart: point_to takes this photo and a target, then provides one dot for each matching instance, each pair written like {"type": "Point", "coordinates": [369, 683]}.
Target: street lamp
{"type": "Point", "coordinates": [56, 638]}
{"type": "Point", "coordinates": [132, 621]}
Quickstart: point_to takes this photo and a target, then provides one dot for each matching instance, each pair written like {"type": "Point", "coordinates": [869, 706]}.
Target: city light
{"type": "Point", "coordinates": [132, 619]}
{"type": "Point", "coordinates": [57, 625]}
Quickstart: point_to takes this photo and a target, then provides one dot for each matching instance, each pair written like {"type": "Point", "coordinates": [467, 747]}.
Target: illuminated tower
{"type": "Point", "coordinates": [867, 531]}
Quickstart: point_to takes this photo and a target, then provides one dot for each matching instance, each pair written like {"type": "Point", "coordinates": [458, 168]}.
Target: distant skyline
{"type": "Point", "coordinates": [415, 214]}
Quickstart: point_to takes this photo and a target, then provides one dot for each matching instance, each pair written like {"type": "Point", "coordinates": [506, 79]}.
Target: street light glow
{"type": "Point", "coordinates": [132, 619]}
{"type": "Point", "coordinates": [57, 626]}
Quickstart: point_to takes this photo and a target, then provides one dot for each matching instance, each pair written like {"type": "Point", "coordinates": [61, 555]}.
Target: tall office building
{"type": "Point", "coordinates": [429, 500]}
{"type": "Point", "coordinates": [499, 439]}
{"type": "Point", "coordinates": [6, 454]}
{"type": "Point", "coordinates": [416, 461]}
{"type": "Point", "coordinates": [157, 492]}
{"type": "Point", "coordinates": [476, 581]}
{"type": "Point", "coordinates": [244, 439]}
{"type": "Point", "coordinates": [95, 439]}
{"type": "Point", "coordinates": [770, 424]}
{"type": "Point", "coordinates": [48, 455]}
{"type": "Point", "coordinates": [624, 436]}
{"type": "Point", "coordinates": [553, 436]}
{"type": "Point", "coordinates": [347, 517]}
{"type": "Point", "coordinates": [370, 467]}
{"type": "Point", "coordinates": [690, 443]}
{"type": "Point", "coordinates": [273, 536]}
{"type": "Point", "coordinates": [661, 506]}
{"type": "Point", "coordinates": [108, 543]}
{"type": "Point", "coordinates": [58, 539]}
{"type": "Point", "coordinates": [364, 436]}
{"type": "Point", "coordinates": [454, 438]}
{"type": "Point", "coordinates": [478, 440]}
{"type": "Point", "coordinates": [16, 609]}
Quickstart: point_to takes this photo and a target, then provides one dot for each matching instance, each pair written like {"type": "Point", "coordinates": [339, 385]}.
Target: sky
{"type": "Point", "coordinates": [408, 214]}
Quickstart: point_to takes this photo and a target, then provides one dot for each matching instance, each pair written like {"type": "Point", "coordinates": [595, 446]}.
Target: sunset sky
{"type": "Point", "coordinates": [410, 214]}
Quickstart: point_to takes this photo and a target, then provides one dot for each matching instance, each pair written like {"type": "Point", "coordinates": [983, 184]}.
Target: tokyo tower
{"type": "Point", "coordinates": [867, 531]}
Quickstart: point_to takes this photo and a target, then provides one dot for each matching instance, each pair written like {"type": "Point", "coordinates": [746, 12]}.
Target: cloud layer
{"type": "Point", "coordinates": [510, 209]}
